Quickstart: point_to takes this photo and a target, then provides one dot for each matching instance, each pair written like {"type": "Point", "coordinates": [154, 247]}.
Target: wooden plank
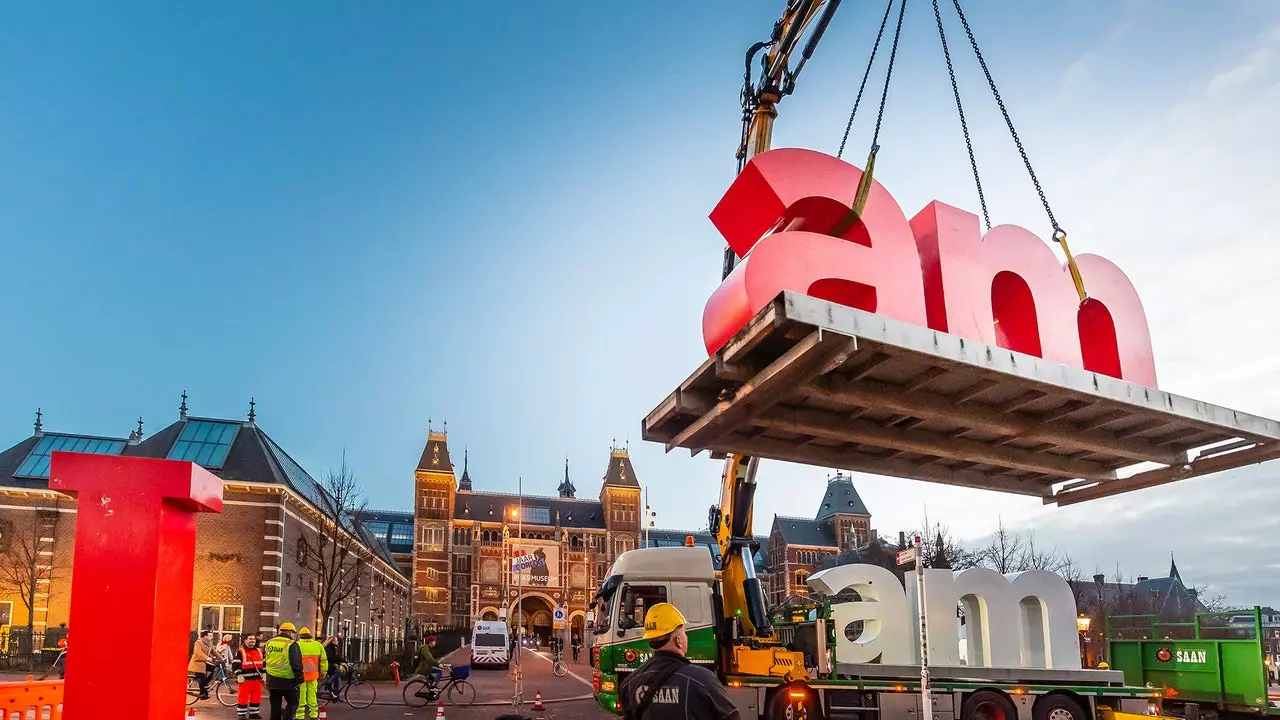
{"type": "Point", "coordinates": [861, 462]}
{"type": "Point", "coordinates": [1153, 478]}
{"type": "Point", "coordinates": [764, 389]}
{"type": "Point", "coordinates": [833, 427]}
{"type": "Point", "coordinates": [933, 406]}
{"type": "Point", "coordinates": [756, 331]}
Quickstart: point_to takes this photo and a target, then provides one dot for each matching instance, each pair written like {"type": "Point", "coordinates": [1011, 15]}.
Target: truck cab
{"type": "Point", "coordinates": [682, 576]}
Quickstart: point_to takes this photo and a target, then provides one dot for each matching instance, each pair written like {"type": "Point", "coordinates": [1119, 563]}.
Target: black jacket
{"type": "Point", "coordinates": [691, 693]}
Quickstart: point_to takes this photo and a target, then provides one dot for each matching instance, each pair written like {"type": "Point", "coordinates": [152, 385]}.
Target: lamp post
{"type": "Point", "coordinates": [1082, 624]}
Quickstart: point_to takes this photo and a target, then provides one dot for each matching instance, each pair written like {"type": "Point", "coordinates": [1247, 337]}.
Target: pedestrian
{"type": "Point", "coordinates": [247, 665]}
{"type": "Point", "coordinates": [225, 652]}
{"type": "Point", "coordinates": [314, 665]}
{"type": "Point", "coordinates": [283, 661]}
{"type": "Point", "coordinates": [201, 661]}
{"type": "Point", "coordinates": [667, 686]}
{"type": "Point", "coordinates": [333, 653]}
{"type": "Point", "coordinates": [577, 646]}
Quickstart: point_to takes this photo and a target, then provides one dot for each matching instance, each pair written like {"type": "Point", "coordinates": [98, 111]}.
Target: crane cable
{"type": "Point", "coordinates": [868, 173]}
{"type": "Point", "coordinates": [1059, 235]}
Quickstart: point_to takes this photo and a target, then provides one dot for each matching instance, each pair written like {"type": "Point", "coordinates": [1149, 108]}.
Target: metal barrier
{"type": "Point", "coordinates": [18, 700]}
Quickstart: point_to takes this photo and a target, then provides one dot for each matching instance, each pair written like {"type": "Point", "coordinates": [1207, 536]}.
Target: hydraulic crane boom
{"type": "Point", "coordinates": [743, 599]}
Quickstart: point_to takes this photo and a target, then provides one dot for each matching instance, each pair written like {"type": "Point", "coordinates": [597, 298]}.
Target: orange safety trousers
{"type": "Point", "coordinates": [249, 693]}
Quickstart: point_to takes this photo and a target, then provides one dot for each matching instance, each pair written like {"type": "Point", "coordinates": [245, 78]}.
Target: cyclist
{"type": "Point", "coordinates": [428, 665]}
{"type": "Point", "coordinates": [577, 646]}
{"type": "Point", "coordinates": [333, 683]}
{"type": "Point", "coordinates": [202, 663]}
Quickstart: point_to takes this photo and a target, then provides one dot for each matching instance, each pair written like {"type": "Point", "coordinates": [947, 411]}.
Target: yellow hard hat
{"type": "Point", "coordinates": [287, 626]}
{"type": "Point", "coordinates": [305, 631]}
{"type": "Point", "coordinates": [661, 619]}
{"type": "Point", "coordinates": [1103, 665]}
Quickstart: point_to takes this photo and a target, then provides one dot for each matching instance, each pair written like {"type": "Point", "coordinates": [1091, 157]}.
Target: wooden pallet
{"type": "Point", "coordinates": [818, 383]}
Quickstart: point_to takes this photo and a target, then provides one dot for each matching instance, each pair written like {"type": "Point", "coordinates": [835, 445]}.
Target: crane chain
{"type": "Point", "coordinates": [964, 124]}
{"type": "Point", "coordinates": [1058, 234]}
{"type": "Point", "coordinates": [884, 21]}
{"type": "Point", "coordinates": [884, 95]}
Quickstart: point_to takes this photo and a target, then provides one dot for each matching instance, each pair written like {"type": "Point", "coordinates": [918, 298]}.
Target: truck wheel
{"type": "Point", "coordinates": [782, 706]}
{"type": "Point", "coordinates": [989, 705]}
{"type": "Point", "coordinates": [1057, 707]}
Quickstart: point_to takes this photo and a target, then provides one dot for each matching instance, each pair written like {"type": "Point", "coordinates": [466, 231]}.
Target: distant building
{"type": "Point", "coordinates": [251, 571]}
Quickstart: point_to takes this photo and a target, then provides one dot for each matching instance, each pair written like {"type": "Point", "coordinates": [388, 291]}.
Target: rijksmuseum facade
{"type": "Point", "coordinates": [457, 542]}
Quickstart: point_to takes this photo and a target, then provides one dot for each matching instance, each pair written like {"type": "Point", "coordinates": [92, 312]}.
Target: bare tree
{"type": "Point", "coordinates": [1005, 552]}
{"type": "Point", "coordinates": [23, 570]}
{"type": "Point", "coordinates": [941, 548]}
{"type": "Point", "coordinates": [1037, 558]}
{"type": "Point", "coordinates": [1215, 602]}
{"type": "Point", "coordinates": [333, 553]}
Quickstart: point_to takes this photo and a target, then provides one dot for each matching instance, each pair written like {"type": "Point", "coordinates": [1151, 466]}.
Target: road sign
{"type": "Point", "coordinates": [558, 618]}
{"type": "Point", "coordinates": [906, 556]}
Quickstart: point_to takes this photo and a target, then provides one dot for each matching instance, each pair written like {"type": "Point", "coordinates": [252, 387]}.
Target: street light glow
{"type": "Point", "coordinates": [1083, 622]}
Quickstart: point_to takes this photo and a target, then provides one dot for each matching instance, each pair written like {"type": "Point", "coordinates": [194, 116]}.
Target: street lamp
{"type": "Point", "coordinates": [1083, 623]}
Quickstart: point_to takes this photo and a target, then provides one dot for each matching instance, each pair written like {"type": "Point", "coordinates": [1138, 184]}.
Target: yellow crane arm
{"type": "Point", "coordinates": [742, 593]}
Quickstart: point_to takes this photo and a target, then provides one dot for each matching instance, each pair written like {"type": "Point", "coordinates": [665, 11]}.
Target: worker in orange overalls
{"type": "Point", "coordinates": [314, 666]}
{"type": "Point", "coordinates": [248, 665]}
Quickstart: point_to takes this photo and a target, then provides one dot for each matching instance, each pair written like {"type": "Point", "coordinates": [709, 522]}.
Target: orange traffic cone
{"type": "Point", "coordinates": [537, 701]}
{"type": "Point", "coordinates": [440, 710]}
{"type": "Point", "coordinates": [324, 715]}
{"type": "Point", "coordinates": [191, 712]}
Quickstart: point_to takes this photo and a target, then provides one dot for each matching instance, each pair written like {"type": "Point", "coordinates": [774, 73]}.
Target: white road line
{"type": "Point", "coordinates": [575, 675]}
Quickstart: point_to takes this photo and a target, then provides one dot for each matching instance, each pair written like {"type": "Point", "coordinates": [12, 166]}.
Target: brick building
{"type": "Point", "coordinates": [463, 539]}
{"type": "Point", "coordinates": [250, 571]}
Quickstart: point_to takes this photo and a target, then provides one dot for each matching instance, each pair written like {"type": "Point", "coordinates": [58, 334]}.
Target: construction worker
{"type": "Point", "coordinates": [314, 665]}
{"type": "Point", "coordinates": [667, 686]}
{"type": "Point", "coordinates": [283, 660]}
{"type": "Point", "coordinates": [247, 665]}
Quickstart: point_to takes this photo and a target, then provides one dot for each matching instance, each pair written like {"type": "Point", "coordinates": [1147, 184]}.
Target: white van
{"type": "Point", "coordinates": [489, 643]}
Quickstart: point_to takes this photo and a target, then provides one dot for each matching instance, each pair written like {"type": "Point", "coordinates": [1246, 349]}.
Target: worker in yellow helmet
{"type": "Point", "coordinates": [283, 662]}
{"type": "Point", "coordinates": [314, 666]}
{"type": "Point", "coordinates": [667, 686]}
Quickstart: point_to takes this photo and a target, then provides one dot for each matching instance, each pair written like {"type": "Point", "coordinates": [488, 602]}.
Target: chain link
{"type": "Point", "coordinates": [964, 124]}
{"type": "Point", "coordinates": [1058, 232]}
{"type": "Point", "coordinates": [884, 95]}
{"type": "Point", "coordinates": [884, 21]}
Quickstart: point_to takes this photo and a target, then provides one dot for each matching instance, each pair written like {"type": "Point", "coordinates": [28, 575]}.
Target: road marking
{"type": "Point", "coordinates": [575, 675]}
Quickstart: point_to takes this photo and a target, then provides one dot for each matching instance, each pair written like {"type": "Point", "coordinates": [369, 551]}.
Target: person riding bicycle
{"type": "Point", "coordinates": [333, 653]}
{"type": "Point", "coordinates": [428, 665]}
{"type": "Point", "coordinates": [203, 662]}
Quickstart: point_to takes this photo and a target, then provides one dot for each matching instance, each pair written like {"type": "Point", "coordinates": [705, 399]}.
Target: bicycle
{"type": "Point", "coordinates": [557, 664]}
{"type": "Point", "coordinates": [223, 686]}
{"type": "Point", "coordinates": [59, 665]}
{"type": "Point", "coordinates": [420, 690]}
{"type": "Point", "coordinates": [356, 691]}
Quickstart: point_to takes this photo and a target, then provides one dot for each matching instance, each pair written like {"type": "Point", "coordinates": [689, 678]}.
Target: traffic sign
{"type": "Point", "coordinates": [906, 556]}
{"type": "Point", "coordinates": [558, 618]}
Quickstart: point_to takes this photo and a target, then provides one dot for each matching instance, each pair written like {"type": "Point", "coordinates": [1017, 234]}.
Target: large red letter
{"type": "Point", "coordinates": [135, 554]}
{"type": "Point", "coordinates": [776, 215]}
{"type": "Point", "coordinates": [1008, 289]}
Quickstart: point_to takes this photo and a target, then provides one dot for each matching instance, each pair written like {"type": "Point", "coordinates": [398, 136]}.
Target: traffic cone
{"type": "Point", "coordinates": [191, 712]}
{"type": "Point", "coordinates": [537, 701]}
{"type": "Point", "coordinates": [324, 715]}
{"type": "Point", "coordinates": [440, 710]}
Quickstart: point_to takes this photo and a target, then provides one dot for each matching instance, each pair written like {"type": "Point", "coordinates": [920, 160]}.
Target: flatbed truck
{"type": "Point", "coordinates": [832, 689]}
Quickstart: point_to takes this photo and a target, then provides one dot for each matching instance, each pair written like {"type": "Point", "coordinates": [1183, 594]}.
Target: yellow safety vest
{"type": "Point", "coordinates": [276, 652]}
{"type": "Point", "coordinates": [313, 659]}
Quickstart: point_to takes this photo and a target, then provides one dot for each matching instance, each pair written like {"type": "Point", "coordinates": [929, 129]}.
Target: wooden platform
{"type": "Point", "coordinates": [818, 383]}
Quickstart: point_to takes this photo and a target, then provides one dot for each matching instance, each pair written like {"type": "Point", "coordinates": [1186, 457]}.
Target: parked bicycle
{"type": "Point", "coordinates": [421, 690]}
{"type": "Point", "coordinates": [355, 690]}
{"type": "Point", "coordinates": [221, 686]}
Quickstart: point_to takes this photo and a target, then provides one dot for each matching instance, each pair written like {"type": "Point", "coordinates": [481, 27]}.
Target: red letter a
{"type": "Point", "coordinates": [775, 216]}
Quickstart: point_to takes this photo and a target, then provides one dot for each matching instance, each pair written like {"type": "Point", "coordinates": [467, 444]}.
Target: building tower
{"type": "Point", "coordinates": [435, 489]}
{"type": "Point", "coordinates": [620, 501]}
{"type": "Point", "coordinates": [844, 513]}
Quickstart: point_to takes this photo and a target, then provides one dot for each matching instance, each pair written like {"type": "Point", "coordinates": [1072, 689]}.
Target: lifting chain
{"type": "Point", "coordinates": [1059, 235]}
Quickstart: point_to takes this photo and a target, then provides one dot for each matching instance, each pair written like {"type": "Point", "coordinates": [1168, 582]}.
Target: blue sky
{"type": "Point", "coordinates": [369, 215]}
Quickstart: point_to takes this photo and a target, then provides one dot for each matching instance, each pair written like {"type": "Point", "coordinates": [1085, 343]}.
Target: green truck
{"type": "Point", "coordinates": [1214, 665]}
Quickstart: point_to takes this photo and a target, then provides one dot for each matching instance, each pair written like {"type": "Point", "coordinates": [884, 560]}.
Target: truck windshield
{"type": "Point", "coordinates": [604, 603]}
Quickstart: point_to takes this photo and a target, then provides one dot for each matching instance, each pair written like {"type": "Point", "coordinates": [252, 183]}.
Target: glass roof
{"type": "Point", "coordinates": [37, 463]}
{"type": "Point", "coordinates": [205, 442]}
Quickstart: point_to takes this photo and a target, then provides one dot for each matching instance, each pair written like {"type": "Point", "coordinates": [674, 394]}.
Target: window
{"type": "Point", "coordinates": [402, 534]}
{"type": "Point", "coordinates": [302, 551]}
{"type": "Point", "coordinates": [537, 515]}
{"type": "Point", "coordinates": [204, 443]}
{"type": "Point", "coordinates": [801, 577]}
{"type": "Point", "coordinates": [221, 618]}
{"type": "Point", "coordinates": [37, 463]}
{"type": "Point", "coordinates": [635, 600]}
{"type": "Point", "coordinates": [433, 535]}
{"type": "Point", "coordinates": [288, 579]}
{"type": "Point", "coordinates": [377, 529]}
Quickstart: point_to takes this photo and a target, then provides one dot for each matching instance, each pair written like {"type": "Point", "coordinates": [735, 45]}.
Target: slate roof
{"type": "Point", "coordinates": [841, 497]}
{"type": "Point", "coordinates": [803, 531]}
{"type": "Point", "coordinates": [488, 507]}
{"type": "Point", "coordinates": [435, 455]}
{"type": "Point", "coordinates": [252, 457]}
{"type": "Point", "coordinates": [620, 473]}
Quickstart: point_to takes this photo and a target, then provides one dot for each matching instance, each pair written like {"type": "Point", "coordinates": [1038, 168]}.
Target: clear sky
{"type": "Point", "coordinates": [369, 215]}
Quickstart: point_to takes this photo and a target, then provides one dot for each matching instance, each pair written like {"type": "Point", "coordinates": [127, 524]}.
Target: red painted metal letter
{"type": "Point", "coordinates": [134, 570]}
{"type": "Point", "coordinates": [776, 215]}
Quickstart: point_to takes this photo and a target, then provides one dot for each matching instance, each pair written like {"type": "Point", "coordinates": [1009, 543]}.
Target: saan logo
{"type": "Point", "coordinates": [1191, 656]}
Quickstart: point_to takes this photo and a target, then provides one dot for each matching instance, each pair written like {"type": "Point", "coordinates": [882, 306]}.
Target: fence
{"type": "Point", "coordinates": [21, 650]}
